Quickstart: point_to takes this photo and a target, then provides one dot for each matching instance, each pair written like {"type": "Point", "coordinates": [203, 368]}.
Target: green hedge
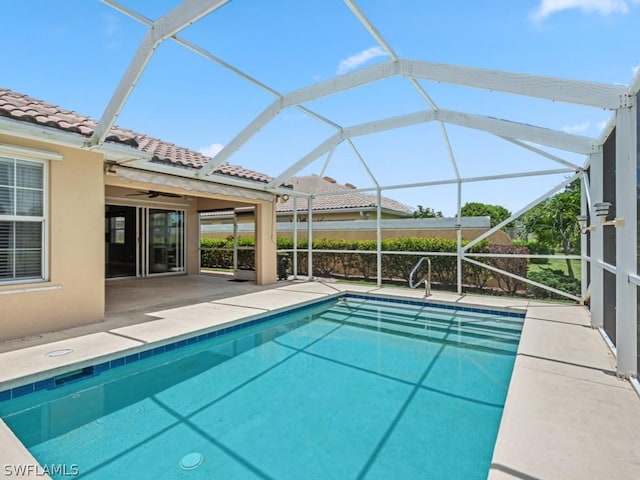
{"type": "Point", "coordinates": [395, 268]}
{"type": "Point", "coordinates": [553, 278]}
{"type": "Point", "coordinates": [218, 253]}
{"type": "Point", "coordinates": [535, 248]}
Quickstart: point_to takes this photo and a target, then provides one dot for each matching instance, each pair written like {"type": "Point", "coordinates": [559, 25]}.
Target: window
{"type": "Point", "coordinates": [117, 228]}
{"type": "Point", "coordinates": [22, 219]}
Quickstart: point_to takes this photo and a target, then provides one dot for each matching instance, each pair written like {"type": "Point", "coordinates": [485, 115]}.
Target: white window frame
{"type": "Point", "coordinates": [29, 155]}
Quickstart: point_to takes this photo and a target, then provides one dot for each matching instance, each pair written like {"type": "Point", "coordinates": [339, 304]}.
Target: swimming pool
{"type": "Point", "coordinates": [353, 387]}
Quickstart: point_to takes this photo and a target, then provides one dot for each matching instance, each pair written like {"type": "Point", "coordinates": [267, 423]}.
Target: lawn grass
{"type": "Point", "coordinates": [557, 264]}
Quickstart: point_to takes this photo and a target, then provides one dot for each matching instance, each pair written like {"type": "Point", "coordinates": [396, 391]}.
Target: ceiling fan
{"type": "Point", "coordinates": [154, 194]}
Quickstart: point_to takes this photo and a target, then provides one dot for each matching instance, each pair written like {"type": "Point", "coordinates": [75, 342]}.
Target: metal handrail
{"type": "Point", "coordinates": [427, 282]}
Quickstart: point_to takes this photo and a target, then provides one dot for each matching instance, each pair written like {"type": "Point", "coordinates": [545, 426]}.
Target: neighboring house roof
{"type": "Point", "coordinates": [23, 108]}
{"type": "Point", "coordinates": [344, 199]}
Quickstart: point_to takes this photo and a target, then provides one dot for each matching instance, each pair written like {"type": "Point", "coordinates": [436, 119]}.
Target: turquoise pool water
{"type": "Point", "coordinates": [357, 388]}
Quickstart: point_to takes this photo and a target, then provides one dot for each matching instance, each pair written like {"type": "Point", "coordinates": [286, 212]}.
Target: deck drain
{"type": "Point", "coordinates": [59, 353]}
{"type": "Point", "coordinates": [191, 460]}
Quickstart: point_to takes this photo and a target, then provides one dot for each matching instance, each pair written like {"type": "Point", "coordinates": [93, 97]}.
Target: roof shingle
{"type": "Point", "coordinates": [23, 108]}
{"type": "Point", "coordinates": [343, 199]}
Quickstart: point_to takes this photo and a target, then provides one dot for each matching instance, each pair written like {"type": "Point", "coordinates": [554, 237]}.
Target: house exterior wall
{"type": "Point", "coordinates": [499, 238]}
{"type": "Point", "coordinates": [77, 191]}
{"type": "Point", "coordinates": [74, 293]}
{"type": "Point", "coordinates": [330, 216]}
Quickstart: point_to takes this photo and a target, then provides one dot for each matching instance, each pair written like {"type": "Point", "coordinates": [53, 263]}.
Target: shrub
{"type": "Point", "coordinates": [218, 253]}
{"type": "Point", "coordinates": [517, 266]}
{"type": "Point", "coordinates": [553, 278]}
{"type": "Point", "coordinates": [349, 264]}
{"type": "Point", "coordinates": [535, 248]}
{"type": "Point", "coordinates": [211, 256]}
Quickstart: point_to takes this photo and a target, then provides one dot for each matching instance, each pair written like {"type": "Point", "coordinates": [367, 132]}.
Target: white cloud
{"type": "Point", "coordinates": [635, 70]}
{"type": "Point", "coordinates": [111, 31]}
{"type": "Point", "coordinates": [110, 25]}
{"type": "Point", "coordinates": [602, 7]}
{"type": "Point", "coordinates": [580, 127]}
{"type": "Point", "coordinates": [354, 61]}
{"type": "Point", "coordinates": [602, 124]}
{"type": "Point", "coordinates": [212, 150]}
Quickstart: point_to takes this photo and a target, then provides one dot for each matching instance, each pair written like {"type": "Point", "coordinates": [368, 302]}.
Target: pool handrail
{"type": "Point", "coordinates": [427, 282]}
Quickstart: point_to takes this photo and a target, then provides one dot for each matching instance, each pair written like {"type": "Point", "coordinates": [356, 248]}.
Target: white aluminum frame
{"type": "Point", "coordinates": [619, 99]}
{"type": "Point", "coordinates": [146, 237]}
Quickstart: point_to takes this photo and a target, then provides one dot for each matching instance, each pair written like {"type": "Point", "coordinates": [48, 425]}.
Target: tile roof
{"type": "Point", "coordinates": [344, 199]}
{"type": "Point", "coordinates": [17, 106]}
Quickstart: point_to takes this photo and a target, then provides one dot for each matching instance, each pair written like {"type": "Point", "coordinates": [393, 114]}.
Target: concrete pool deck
{"type": "Point", "coordinates": [567, 415]}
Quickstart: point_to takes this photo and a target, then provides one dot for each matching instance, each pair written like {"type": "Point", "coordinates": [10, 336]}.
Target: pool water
{"type": "Point", "coordinates": [358, 388]}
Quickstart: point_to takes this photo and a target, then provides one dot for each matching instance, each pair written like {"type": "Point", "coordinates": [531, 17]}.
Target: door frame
{"type": "Point", "coordinates": [142, 207]}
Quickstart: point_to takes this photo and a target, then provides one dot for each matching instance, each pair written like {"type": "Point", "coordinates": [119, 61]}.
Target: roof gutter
{"type": "Point", "coordinates": [215, 178]}
{"type": "Point", "coordinates": [124, 155]}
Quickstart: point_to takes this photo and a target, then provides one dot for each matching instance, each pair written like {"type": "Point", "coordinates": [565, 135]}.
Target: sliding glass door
{"type": "Point", "coordinates": [166, 241]}
{"type": "Point", "coordinates": [121, 241]}
{"type": "Point", "coordinates": [143, 241]}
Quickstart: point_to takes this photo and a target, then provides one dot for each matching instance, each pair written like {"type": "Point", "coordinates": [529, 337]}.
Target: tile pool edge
{"type": "Point", "coordinates": [36, 381]}
{"type": "Point", "coordinates": [47, 378]}
{"type": "Point", "coordinates": [515, 312]}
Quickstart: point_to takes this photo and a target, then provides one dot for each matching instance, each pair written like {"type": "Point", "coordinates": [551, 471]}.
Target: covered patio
{"type": "Point", "coordinates": [133, 301]}
{"type": "Point", "coordinates": [130, 300]}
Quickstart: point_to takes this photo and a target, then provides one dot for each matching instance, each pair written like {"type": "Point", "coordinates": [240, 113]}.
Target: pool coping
{"type": "Point", "coordinates": [513, 456]}
{"type": "Point", "coordinates": [45, 378]}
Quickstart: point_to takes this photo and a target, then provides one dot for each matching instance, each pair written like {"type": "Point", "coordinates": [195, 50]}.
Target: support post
{"type": "Point", "coordinates": [310, 237]}
{"type": "Point", "coordinates": [584, 251]}
{"type": "Point", "coordinates": [596, 305]}
{"type": "Point", "coordinates": [235, 243]}
{"type": "Point", "coordinates": [295, 238]}
{"type": "Point", "coordinates": [379, 236]}
{"type": "Point", "coordinates": [626, 240]}
{"type": "Point", "coordinates": [459, 237]}
{"type": "Point", "coordinates": [266, 252]}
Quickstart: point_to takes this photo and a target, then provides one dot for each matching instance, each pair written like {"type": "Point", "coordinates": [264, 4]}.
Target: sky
{"type": "Point", "coordinates": [73, 53]}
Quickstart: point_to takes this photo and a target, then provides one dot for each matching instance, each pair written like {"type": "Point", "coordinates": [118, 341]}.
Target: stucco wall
{"type": "Point", "coordinates": [265, 244]}
{"type": "Point", "coordinates": [75, 250]}
{"type": "Point", "coordinates": [499, 238]}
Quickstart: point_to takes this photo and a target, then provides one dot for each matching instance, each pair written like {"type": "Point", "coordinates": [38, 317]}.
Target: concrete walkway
{"type": "Point", "coordinates": [566, 416]}
{"type": "Point", "coordinates": [133, 301]}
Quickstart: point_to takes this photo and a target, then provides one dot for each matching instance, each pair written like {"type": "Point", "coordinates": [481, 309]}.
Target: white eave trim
{"type": "Point", "coordinates": [191, 181]}
{"type": "Point", "coordinates": [120, 153]}
{"type": "Point", "coordinates": [31, 131]}
{"type": "Point", "coordinates": [23, 152]}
